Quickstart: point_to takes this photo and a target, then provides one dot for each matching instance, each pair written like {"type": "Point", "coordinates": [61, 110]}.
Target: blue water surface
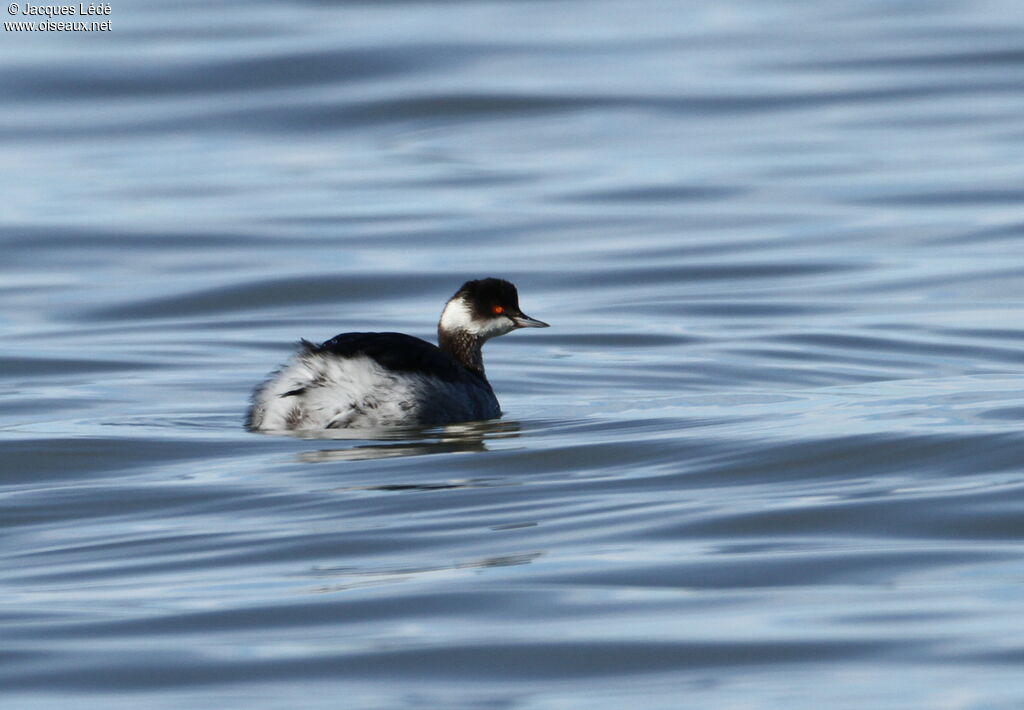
{"type": "Point", "coordinates": [768, 456]}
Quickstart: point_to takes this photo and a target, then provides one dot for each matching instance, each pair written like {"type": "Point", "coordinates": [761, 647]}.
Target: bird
{"type": "Point", "coordinates": [375, 380]}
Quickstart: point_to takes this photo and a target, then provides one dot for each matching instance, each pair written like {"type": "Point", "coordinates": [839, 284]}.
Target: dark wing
{"type": "Point", "coordinates": [398, 352]}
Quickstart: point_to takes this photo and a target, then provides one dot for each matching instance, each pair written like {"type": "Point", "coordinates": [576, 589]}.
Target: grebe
{"type": "Point", "coordinates": [361, 380]}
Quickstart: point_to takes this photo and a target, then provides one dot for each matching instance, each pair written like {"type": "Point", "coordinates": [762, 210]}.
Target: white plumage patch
{"type": "Point", "coordinates": [325, 391]}
{"type": "Point", "coordinates": [458, 316]}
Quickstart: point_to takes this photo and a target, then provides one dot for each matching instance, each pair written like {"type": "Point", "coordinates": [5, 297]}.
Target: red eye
{"type": "Point", "coordinates": [498, 310]}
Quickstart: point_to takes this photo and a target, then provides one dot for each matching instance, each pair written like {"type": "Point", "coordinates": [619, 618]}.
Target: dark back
{"type": "Point", "coordinates": [401, 353]}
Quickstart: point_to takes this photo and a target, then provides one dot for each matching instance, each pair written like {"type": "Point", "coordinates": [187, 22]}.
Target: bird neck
{"type": "Point", "coordinates": [464, 347]}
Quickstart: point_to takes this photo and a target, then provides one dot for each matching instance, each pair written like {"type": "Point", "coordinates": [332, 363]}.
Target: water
{"type": "Point", "coordinates": [767, 456]}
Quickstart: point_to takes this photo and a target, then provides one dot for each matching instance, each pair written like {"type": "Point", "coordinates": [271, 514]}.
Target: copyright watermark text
{"type": "Point", "coordinates": [91, 15]}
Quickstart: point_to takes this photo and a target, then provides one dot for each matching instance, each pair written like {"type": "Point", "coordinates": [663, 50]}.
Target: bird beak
{"type": "Point", "coordinates": [522, 320]}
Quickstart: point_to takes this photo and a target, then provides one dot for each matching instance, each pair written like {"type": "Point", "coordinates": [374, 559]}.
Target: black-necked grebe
{"type": "Point", "coordinates": [359, 380]}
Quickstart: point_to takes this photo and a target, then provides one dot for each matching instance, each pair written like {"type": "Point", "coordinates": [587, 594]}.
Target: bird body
{"type": "Point", "coordinates": [364, 380]}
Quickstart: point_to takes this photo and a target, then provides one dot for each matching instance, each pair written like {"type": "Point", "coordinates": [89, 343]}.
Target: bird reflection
{"type": "Point", "coordinates": [355, 577]}
{"type": "Point", "coordinates": [469, 437]}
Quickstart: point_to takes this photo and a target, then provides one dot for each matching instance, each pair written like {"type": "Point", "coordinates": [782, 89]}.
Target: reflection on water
{"type": "Point", "coordinates": [466, 437]}
{"type": "Point", "coordinates": [770, 458]}
{"type": "Point", "coordinates": [399, 487]}
{"type": "Point", "coordinates": [363, 578]}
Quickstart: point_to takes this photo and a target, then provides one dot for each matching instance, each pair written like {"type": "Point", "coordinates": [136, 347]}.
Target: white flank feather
{"type": "Point", "coordinates": [324, 391]}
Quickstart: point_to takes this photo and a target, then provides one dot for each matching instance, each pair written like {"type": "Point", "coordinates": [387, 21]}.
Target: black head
{"type": "Point", "coordinates": [487, 298]}
{"type": "Point", "coordinates": [486, 308]}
